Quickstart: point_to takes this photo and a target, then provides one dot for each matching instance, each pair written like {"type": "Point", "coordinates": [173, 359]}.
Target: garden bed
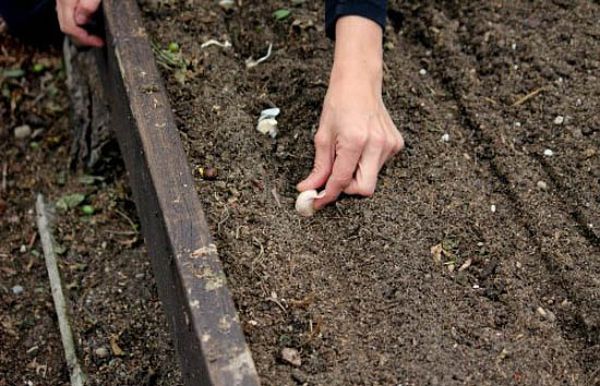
{"type": "Point", "coordinates": [476, 262]}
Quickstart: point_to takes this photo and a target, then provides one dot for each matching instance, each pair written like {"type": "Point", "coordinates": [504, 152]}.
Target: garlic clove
{"type": "Point", "coordinates": [305, 202]}
{"type": "Point", "coordinates": [268, 126]}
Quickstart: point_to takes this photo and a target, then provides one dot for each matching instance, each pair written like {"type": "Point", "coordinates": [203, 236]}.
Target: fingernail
{"type": "Point", "coordinates": [321, 194]}
{"type": "Point", "coordinates": [80, 18]}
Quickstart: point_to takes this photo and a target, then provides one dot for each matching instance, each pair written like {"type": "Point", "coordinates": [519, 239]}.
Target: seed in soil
{"type": "Point", "coordinates": [548, 153]}
{"type": "Point", "coordinates": [542, 185]}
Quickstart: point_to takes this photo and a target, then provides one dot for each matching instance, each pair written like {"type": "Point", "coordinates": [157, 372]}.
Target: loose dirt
{"type": "Point", "coordinates": [478, 259]}
{"type": "Point", "coordinates": [115, 310]}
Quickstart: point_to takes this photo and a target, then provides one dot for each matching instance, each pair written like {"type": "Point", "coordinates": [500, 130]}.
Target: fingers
{"type": "Point", "coordinates": [365, 178]}
{"type": "Point", "coordinates": [66, 10]}
{"type": "Point", "coordinates": [85, 10]}
{"type": "Point", "coordinates": [324, 155]}
{"type": "Point", "coordinates": [348, 153]}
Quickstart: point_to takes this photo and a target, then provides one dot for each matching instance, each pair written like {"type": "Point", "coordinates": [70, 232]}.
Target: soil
{"type": "Point", "coordinates": [104, 267]}
{"type": "Point", "coordinates": [478, 259]}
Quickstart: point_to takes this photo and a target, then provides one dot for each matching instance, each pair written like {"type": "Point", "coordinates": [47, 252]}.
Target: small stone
{"type": "Point", "coordinates": [22, 132]}
{"type": "Point", "coordinates": [17, 290]}
{"type": "Point", "coordinates": [102, 352]}
{"type": "Point", "coordinates": [227, 4]}
{"type": "Point", "coordinates": [546, 314]}
{"type": "Point", "coordinates": [493, 208]}
{"type": "Point", "coordinates": [23, 248]}
{"type": "Point", "coordinates": [423, 72]}
{"type": "Point", "coordinates": [210, 173]}
{"type": "Point", "coordinates": [542, 185]}
{"type": "Point", "coordinates": [291, 356]}
{"type": "Point", "coordinates": [299, 376]}
{"type": "Point", "coordinates": [559, 120]}
{"type": "Point", "coordinates": [548, 153]}
{"type": "Point", "coordinates": [446, 137]}
{"type": "Point", "coordinates": [504, 354]}
{"type": "Point", "coordinates": [519, 265]}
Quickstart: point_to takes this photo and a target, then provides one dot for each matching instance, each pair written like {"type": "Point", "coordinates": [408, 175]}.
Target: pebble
{"type": "Point", "coordinates": [493, 208]}
{"type": "Point", "coordinates": [101, 352]}
{"type": "Point", "coordinates": [299, 376]}
{"type": "Point", "coordinates": [22, 132]}
{"type": "Point", "coordinates": [546, 314]}
{"type": "Point", "coordinates": [542, 185]}
{"type": "Point", "coordinates": [548, 153]}
{"type": "Point", "coordinates": [559, 120]}
{"type": "Point", "coordinates": [17, 290]}
{"type": "Point", "coordinates": [227, 4]}
{"type": "Point", "coordinates": [291, 356]}
{"type": "Point", "coordinates": [423, 71]}
{"type": "Point", "coordinates": [446, 137]}
{"type": "Point", "coordinates": [23, 248]}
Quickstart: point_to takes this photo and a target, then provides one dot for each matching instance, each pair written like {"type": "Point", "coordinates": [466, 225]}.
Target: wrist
{"type": "Point", "coordinates": [358, 52]}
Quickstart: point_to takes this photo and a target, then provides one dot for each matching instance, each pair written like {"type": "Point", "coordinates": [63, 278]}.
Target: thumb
{"type": "Point", "coordinates": [324, 156]}
{"type": "Point", "coordinates": [84, 11]}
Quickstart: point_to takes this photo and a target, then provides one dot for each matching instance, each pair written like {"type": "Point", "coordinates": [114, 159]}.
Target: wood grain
{"type": "Point", "coordinates": [189, 275]}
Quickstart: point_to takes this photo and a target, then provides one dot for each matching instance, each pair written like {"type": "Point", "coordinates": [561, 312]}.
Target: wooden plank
{"type": "Point", "coordinates": [189, 275]}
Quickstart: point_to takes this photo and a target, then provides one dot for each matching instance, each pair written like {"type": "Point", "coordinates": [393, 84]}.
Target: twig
{"type": "Point", "coordinates": [4, 175]}
{"type": "Point", "coordinates": [77, 374]}
{"type": "Point", "coordinates": [527, 97]}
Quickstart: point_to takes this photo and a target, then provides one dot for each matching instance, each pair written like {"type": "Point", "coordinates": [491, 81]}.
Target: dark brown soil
{"type": "Point", "coordinates": [360, 290]}
{"type": "Point", "coordinates": [103, 263]}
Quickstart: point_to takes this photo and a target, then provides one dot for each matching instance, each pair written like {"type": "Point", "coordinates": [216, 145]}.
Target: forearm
{"type": "Point", "coordinates": [358, 50]}
{"type": "Point", "coordinates": [374, 10]}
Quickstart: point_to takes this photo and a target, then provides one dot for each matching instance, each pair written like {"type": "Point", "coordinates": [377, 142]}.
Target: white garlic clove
{"type": "Point", "coordinates": [268, 126]}
{"type": "Point", "coordinates": [305, 202]}
{"type": "Point", "coordinates": [273, 112]}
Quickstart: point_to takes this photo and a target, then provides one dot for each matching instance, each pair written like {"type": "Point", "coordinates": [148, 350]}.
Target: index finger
{"type": "Point", "coordinates": [344, 166]}
{"type": "Point", "coordinates": [83, 37]}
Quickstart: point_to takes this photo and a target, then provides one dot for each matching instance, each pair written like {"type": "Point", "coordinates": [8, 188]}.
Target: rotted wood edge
{"type": "Point", "coordinates": [189, 275]}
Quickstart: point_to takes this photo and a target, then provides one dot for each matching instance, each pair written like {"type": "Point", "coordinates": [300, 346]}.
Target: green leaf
{"type": "Point", "coordinates": [70, 201]}
{"type": "Point", "coordinates": [13, 73]}
{"type": "Point", "coordinates": [88, 210]}
{"type": "Point", "coordinates": [38, 67]}
{"type": "Point", "coordinates": [282, 14]}
{"type": "Point", "coordinates": [87, 179]}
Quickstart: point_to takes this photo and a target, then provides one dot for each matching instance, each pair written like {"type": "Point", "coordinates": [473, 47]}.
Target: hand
{"type": "Point", "coordinates": [356, 135]}
{"type": "Point", "coordinates": [72, 14]}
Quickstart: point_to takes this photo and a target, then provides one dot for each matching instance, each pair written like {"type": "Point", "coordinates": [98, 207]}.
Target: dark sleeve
{"type": "Point", "coordinates": [371, 9]}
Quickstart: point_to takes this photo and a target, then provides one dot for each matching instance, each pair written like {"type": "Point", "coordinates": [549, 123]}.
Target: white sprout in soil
{"type": "Point", "coordinates": [253, 63]}
{"type": "Point", "coordinates": [214, 42]}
